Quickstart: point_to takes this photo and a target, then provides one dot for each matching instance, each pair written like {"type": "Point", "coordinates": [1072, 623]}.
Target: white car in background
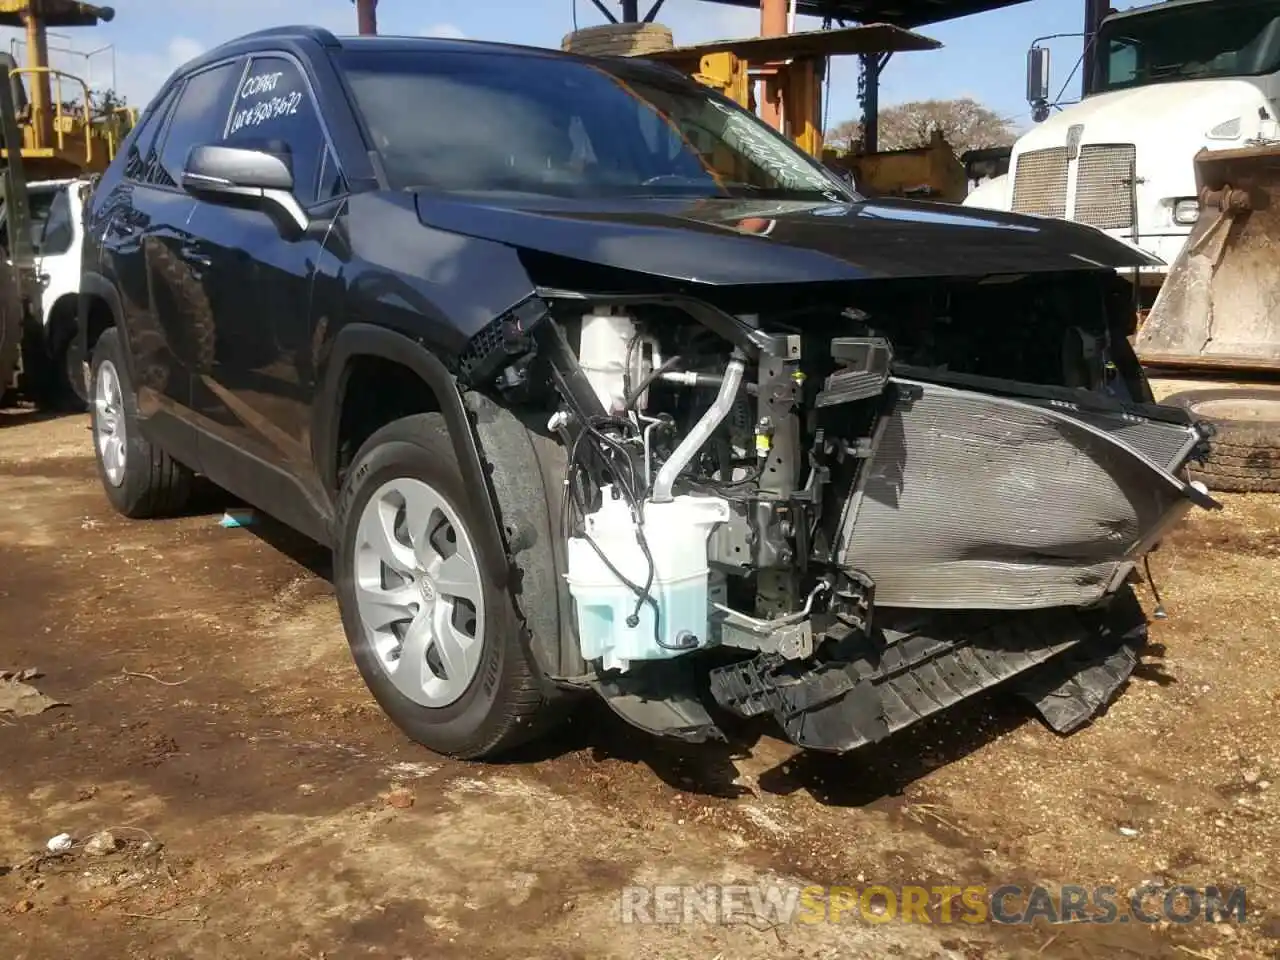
{"type": "Point", "coordinates": [52, 370]}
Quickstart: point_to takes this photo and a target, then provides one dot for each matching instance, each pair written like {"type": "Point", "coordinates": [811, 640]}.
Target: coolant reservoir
{"type": "Point", "coordinates": [676, 534]}
{"type": "Point", "coordinates": [602, 354]}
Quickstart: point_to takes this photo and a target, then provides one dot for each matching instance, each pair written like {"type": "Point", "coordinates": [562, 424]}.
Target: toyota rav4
{"type": "Point", "coordinates": [595, 383]}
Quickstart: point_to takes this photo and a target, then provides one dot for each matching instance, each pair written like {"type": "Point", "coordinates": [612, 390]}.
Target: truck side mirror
{"type": "Point", "coordinates": [1038, 75]}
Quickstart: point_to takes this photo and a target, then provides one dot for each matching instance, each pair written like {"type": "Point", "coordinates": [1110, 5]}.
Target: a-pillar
{"type": "Point", "coordinates": [1094, 13]}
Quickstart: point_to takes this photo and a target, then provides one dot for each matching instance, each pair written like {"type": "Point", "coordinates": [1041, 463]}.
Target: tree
{"type": "Point", "coordinates": [101, 103]}
{"type": "Point", "coordinates": [105, 101]}
{"type": "Point", "coordinates": [966, 124]}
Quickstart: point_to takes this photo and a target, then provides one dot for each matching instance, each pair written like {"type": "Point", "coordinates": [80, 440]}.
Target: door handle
{"type": "Point", "coordinates": [193, 257]}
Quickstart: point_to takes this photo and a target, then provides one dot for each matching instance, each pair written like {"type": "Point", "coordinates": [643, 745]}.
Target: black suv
{"type": "Point", "coordinates": [593, 382]}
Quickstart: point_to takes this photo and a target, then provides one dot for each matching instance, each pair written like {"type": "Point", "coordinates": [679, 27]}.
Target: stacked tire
{"type": "Point", "coordinates": [619, 40]}
{"type": "Point", "coordinates": [1244, 453]}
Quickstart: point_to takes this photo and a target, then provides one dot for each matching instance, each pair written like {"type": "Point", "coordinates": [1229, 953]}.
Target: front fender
{"type": "Point", "coordinates": [362, 339]}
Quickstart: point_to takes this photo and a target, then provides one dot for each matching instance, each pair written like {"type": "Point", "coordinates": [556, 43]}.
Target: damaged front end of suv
{"type": "Point", "coordinates": [840, 461]}
{"type": "Point", "coordinates": [854, 499]}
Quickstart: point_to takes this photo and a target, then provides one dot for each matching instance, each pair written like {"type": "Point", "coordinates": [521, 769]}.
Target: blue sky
{"type": "Point", "coordinates": [983, 56]}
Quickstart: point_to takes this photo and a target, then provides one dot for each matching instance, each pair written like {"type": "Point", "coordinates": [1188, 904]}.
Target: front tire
{"type": "Point", "coordinates": [437, 643]}
{"type": "Point", "coordinates": [139, 478]}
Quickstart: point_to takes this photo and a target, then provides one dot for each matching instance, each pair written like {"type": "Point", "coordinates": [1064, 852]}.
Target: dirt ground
{"type": "Point", "coordinates": [214, 723]}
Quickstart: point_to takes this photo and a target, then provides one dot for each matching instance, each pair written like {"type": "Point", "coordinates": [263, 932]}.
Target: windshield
{"type": "Point", "coordinates": [465, 122]}
{"type": "Point", "coordinates": [1192, 42]}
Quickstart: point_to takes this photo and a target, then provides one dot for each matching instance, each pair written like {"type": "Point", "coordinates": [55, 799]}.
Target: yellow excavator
{"type": "Point", "coordinates": [1211, 342]}
{"type": "Point", "coordinates": [62, 133]}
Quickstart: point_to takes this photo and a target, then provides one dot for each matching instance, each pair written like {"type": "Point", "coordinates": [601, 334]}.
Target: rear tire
{"type": "Point", "coordinates": [404, 515]}
{"type": "Point", "coordinates": [140, 479]}
{"type": "Point", "coordinates": [1244, 454]}
{"type": "Point", "coordinates": [59, 379]}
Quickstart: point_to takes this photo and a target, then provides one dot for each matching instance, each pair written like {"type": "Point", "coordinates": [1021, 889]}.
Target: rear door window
{"type": "Point", "coordinates": [57, 232]}
{"type": "Point", "coordinates": [199, 118]}
{"type": "Point", "coordinates": [39, 205]}
{"type": "Point", "coordinates": [141, 154]}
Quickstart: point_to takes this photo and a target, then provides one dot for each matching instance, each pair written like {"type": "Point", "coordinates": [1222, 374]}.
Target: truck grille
{"type": "Point", "coordinates": [1104, 191]}
{"type": "Point", "coordinates": [1040, 183]}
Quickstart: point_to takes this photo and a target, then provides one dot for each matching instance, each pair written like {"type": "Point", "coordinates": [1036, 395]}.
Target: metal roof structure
{"type": "Point", "coordinates": [899, 13]}
{"type": "Point", "coordinates": [54, 13]}
{"type": "Point", "coordinates": [873, 38]}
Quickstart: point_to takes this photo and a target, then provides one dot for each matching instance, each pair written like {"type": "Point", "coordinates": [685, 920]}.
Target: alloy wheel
{"type": "Point", "coordinates": [109, 424]}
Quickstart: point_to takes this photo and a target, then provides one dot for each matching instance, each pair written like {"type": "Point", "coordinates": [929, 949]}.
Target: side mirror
{"type": "Point", "coordinates": [245, 177]}
{"type": "Point", "coordinates": [1037, 75]}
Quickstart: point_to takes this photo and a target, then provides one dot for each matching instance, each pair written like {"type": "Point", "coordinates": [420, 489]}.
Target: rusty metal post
{"type": "Point", "coordinates": [41, 94]}
{"type": "Point", "coordinates": [367, 17]}
{"type": "Point", "coordinates": [773, 23]}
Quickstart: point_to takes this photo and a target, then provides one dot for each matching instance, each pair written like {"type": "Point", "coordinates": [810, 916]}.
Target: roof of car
{"type": "Point", "coordinates": [294, 36]}
{"type": "Point", "coordinates": [392, 44]}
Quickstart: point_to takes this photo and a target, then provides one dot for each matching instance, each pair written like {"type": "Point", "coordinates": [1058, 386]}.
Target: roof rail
{"type": "Point", "coordinates": [319, 34]}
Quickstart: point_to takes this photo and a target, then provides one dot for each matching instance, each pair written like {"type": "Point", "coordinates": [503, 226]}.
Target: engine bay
{"type": "Point", "coordinates": [773, 481]}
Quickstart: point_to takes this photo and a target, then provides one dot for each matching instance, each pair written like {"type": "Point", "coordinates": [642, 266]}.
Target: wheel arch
{"type": "Point", "coordinates": [499, 452]}
{"type": "Point", "coordinates": [98, 307]}
{"type": "Point", "coordinates": [64, 316]}
{"type": "Point", "coordinates": [359, 341]}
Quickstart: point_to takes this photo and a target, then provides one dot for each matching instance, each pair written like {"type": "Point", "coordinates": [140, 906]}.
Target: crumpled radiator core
{"type": "Point", "coordinates": [977, 501]}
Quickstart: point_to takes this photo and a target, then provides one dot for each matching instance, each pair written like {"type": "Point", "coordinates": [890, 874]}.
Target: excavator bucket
{"type": "Point", "coordinates": [1219, 308]}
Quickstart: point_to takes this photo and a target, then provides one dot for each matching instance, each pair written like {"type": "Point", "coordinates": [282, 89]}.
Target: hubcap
{"type": "Point", "coordinates": [108, 423]}
{"type": "Point", "coordinates": [418, 592]}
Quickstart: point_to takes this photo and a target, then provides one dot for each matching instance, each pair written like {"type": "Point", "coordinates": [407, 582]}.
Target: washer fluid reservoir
{"type": "Point", "coordinates": [676, 534]}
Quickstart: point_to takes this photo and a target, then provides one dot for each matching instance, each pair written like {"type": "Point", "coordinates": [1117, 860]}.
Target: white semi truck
{"type": "Point", "coordinates": [1169, 79]}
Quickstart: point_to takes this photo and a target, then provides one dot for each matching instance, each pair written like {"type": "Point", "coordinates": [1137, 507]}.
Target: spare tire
{"type": "Point", "coordinates": [1244, 454]}
{"type": "Point", "coordinates": [619, 40]}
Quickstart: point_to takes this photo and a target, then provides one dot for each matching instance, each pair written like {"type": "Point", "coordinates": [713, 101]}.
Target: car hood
{"type": "Point", "coordinates": [723, 241]}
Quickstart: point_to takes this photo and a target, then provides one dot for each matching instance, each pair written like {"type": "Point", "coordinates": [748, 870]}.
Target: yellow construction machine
{"type": "Point", "coordinates": [792, 66]}
{"type": "Point", "coordinates": [61, 133]}
{"type": "Point", "coordinates": [53, 143]}
{"type": "Point", "coordinates": [1211, 342]}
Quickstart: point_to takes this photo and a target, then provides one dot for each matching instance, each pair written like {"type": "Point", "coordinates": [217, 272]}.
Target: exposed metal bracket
{"type": "Point", "coordinates": [605, 10]}
{"type": "Point", "coordinates": [791, 642]}
{"type": "Point", "coordinates": [790, 637]}
{"type": "Point", "coordinates": [653, 11]}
